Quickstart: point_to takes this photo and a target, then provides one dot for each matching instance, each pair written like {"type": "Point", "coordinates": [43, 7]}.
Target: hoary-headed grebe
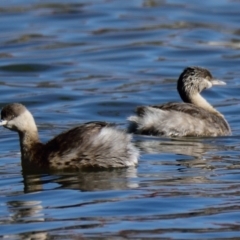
{"type": "Point", "coordinates": [194, 117]}
{"type": "Point", "coordinates": [90, 145]}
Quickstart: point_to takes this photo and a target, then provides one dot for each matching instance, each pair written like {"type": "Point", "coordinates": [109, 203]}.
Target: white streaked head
{"type": "Point", "coordinates": [16, 117]}
{"type": "Point", "coordinates": [193, 80]}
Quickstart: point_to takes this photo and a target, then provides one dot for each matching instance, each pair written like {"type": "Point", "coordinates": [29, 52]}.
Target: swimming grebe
{"type": "Point", "coordinates": [194, 117]}
{"type": "Point", "coordinates": [90, 145]}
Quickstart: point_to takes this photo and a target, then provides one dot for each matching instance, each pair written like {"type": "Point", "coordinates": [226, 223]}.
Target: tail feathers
{"type": "Point", "coordinates": [120, 145]}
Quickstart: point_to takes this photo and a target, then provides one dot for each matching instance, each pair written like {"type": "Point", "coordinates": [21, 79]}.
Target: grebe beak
{"type": "Point", "coordinates": [217, 82]}
{"type": "Point", "coordinates": [3, 122]}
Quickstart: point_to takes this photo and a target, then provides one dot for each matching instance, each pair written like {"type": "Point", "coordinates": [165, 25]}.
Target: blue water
{"type": "Point", "coordinates": [75, 61]}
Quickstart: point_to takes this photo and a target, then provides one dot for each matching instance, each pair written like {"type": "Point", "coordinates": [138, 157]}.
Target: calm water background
{"type": "Point", "coordinates": [77, 61]}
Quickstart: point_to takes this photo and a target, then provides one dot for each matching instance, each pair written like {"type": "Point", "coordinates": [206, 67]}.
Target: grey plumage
{"type": "Point", "coordinates": [90, 145]}
{"type": "Point", "coordinates": [195, 117]}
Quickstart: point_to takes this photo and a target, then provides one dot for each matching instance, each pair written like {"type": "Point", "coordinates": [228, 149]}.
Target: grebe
{"type": "Point", "coordinates": [90, 145]}
{"type": "Point", "coordinates": [194, 117]}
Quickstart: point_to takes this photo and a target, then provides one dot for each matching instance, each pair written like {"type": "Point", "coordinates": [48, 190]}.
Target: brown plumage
{"type": "Point", "coordinates": [90, 145]}
{"type": "Point", "coordinates": [195, 117]}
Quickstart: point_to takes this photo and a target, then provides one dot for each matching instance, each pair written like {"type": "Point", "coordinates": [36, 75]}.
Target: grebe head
{"type": "Point", "coordinates": [17, 118]}
{"type": "Point", "coordinates": [193, 80]}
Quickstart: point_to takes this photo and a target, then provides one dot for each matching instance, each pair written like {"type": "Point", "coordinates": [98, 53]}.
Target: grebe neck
{"type": "Point", "coordinates": [199, 101]}
{"type": "Point", "coordinates": [27, 142]}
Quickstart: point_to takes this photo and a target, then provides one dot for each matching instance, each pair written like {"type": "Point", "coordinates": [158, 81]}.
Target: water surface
{"type": "Point", "coordinates": [75, 61]}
